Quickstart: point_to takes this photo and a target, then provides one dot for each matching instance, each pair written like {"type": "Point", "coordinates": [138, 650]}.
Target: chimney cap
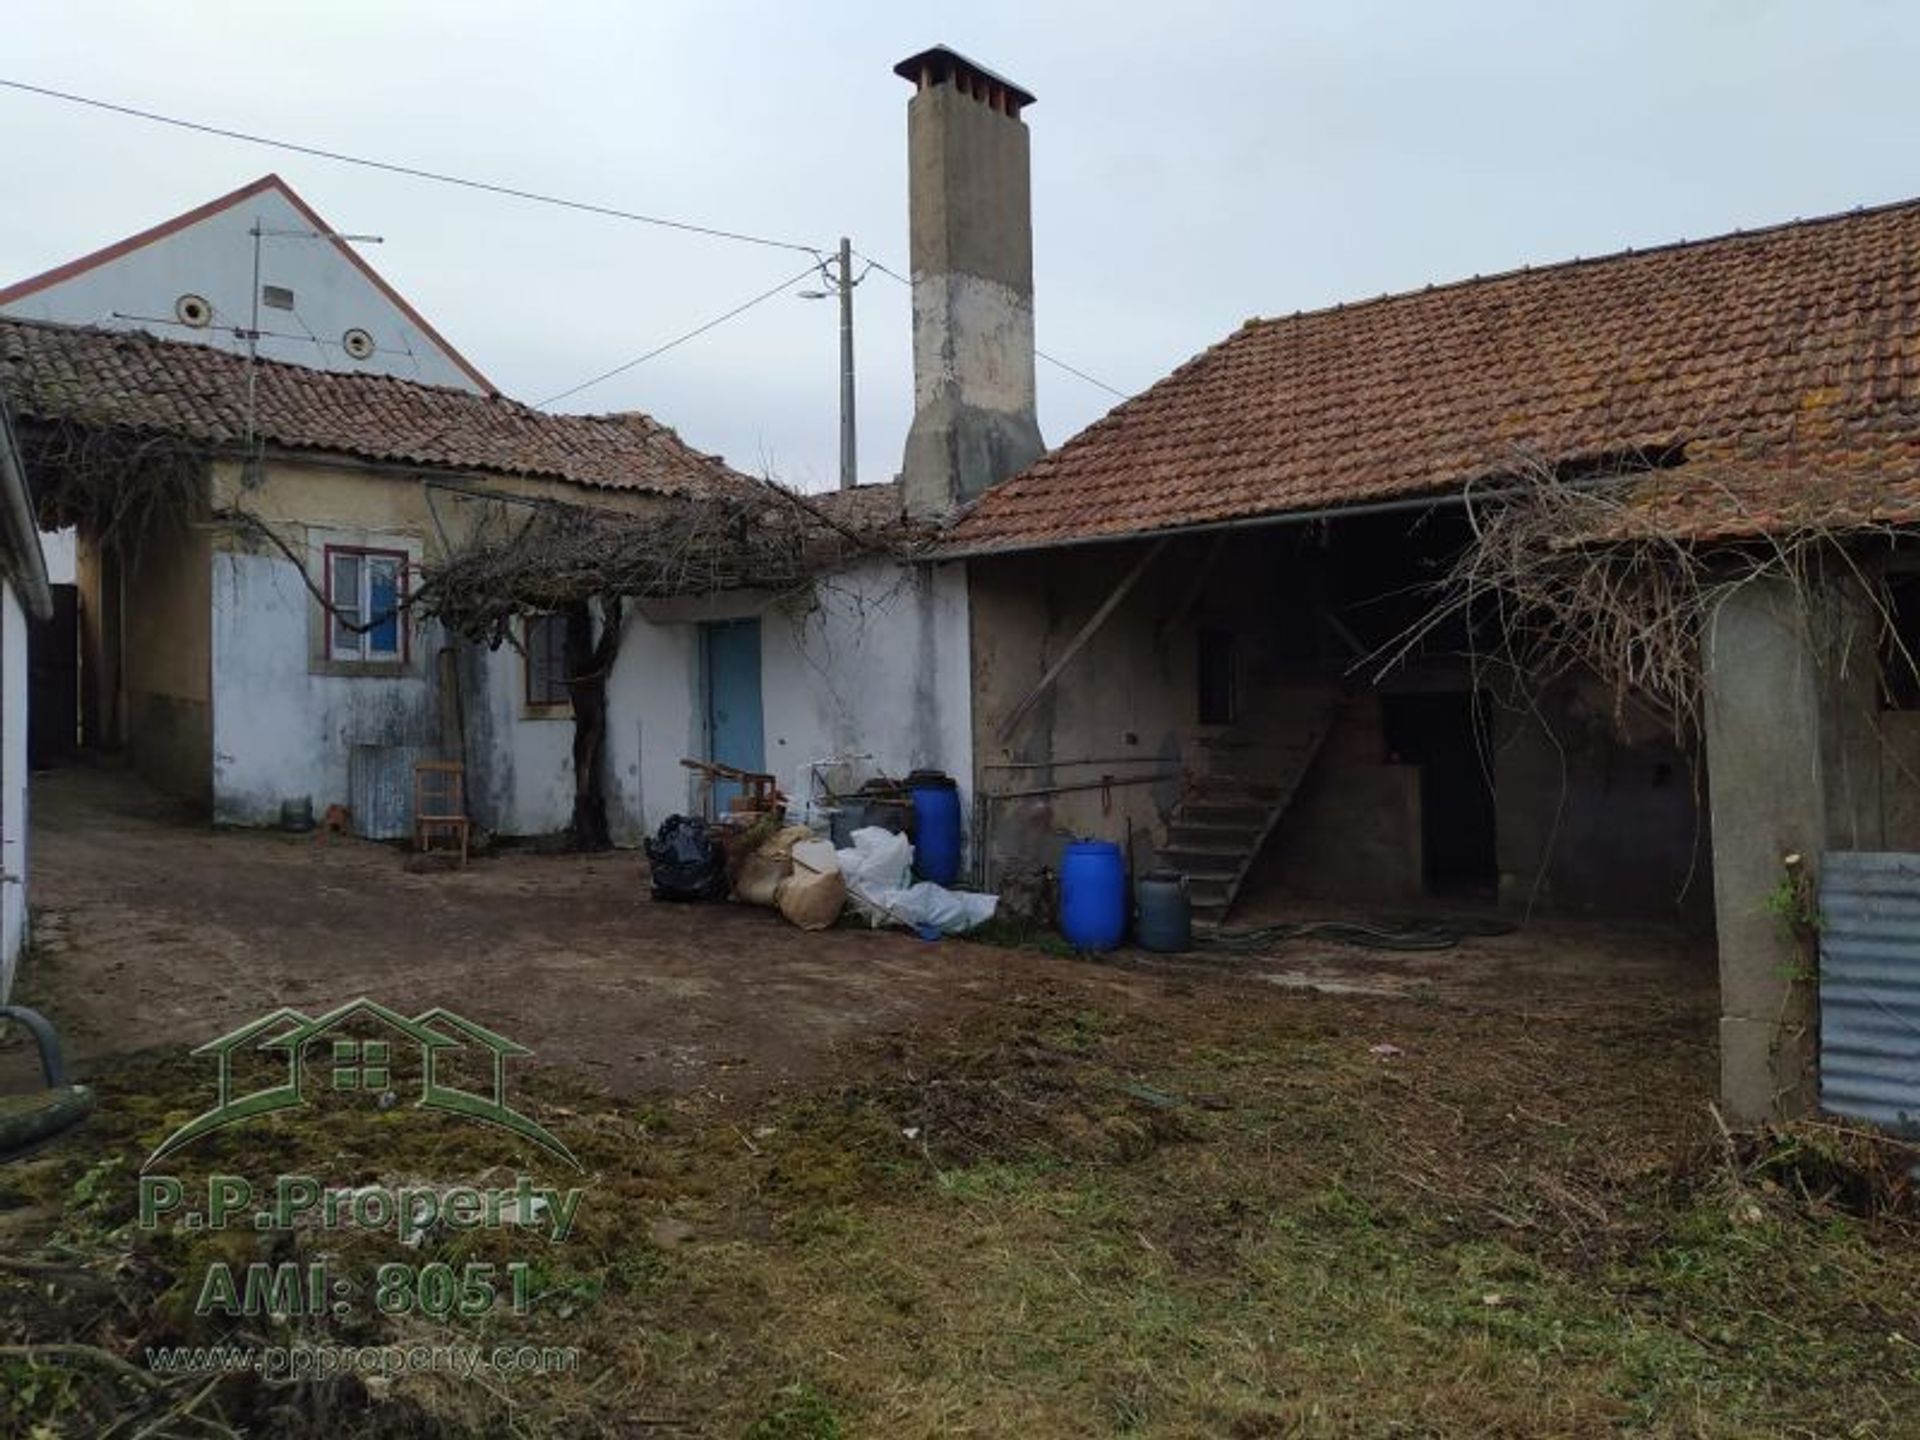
{"type": "Point", "coordinates": [943, 63]}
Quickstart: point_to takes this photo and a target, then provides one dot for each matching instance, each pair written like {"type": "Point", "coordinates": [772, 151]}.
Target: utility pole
{"type": "Point", "coordinates": [838, 274]}
{"type": "Point", "coordinates": [849, 461]}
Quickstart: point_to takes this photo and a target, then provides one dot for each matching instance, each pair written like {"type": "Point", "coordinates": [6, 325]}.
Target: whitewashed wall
{"type": "Point", "coordinates": [878, 663]}
{"type": "Point", "coordinates": [13, 785]}
{"type": "Point", "coordinates": [282, 732]}
{"type": "Point", "coordinates": [521, 764]}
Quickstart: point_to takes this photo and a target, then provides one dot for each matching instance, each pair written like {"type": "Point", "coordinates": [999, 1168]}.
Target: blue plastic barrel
{"type": "Point", "coordinates": [936, 823]}
{"type": "Point", "coordinates": [1093, 895]}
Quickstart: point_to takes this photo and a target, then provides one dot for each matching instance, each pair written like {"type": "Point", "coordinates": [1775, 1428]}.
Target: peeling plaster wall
{"type": "Point", "coordinates": [878, 663]}
{"type": "Point", "coordinates": [522, 759]}
{"type": "Point", "coordinates": [653, 721]}
{"type": "Point", "coordinates": [1125, 701]}
{"type": "Point", "coordinates": [285, 718]}
{"type": "Point", "coordinates": [874, 662]}
{"type": "Point", "coordinates": [282, 732]}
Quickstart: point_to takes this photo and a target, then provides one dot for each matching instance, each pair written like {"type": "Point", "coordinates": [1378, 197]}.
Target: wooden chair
{"type": "Point", "coordinates": [758, 793]}
{"type": "Point", "coordinates": [439, 803]}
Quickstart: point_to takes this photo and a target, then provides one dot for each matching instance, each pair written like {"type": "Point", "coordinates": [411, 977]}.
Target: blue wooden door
{"type": "Point", "coordinates": [732, 654]}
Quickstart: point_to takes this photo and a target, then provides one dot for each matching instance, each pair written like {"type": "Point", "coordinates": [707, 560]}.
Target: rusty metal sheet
{"type": "Point", "coordinates": [1870, 987]}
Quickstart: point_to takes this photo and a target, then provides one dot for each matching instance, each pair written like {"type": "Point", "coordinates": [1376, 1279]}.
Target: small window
{"type": "Point", "coordinates": [276, 297]}
{"type": "Point", "coordinates": [547, 660]}
{"type": "Point", "coordinates": [365, 589]}
{"type": "Point", "coordinates": [1217, 696]}
{"type": "Point", "coordinates": [1900, 645]}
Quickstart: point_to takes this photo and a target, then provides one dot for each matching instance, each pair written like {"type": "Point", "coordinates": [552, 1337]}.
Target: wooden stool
{"type": "Point", "coordinates": [439, 803]}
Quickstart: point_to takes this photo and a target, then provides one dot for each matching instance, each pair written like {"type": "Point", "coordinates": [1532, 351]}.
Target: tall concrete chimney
{"type": "Point", "coordinates": [970, 200]}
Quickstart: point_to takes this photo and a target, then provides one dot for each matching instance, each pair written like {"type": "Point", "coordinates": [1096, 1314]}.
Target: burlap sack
{"type": "Point", "coordinates": [761, 873]}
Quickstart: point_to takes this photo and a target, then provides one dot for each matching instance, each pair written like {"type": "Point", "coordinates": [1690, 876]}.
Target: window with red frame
{"type": "Point", "coordinates": [365, 590]}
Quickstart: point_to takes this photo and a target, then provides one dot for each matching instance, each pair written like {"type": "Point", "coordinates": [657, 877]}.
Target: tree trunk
{"type": "Point", "coordinates": [589, 661]}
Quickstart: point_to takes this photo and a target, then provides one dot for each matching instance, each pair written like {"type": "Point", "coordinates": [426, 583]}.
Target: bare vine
{"type": "Point", "coordinates": [1565, 579]}
{"type": "Point", "coordinates": [766, 538]}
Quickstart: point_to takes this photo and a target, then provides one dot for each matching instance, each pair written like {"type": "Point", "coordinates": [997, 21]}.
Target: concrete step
{"type": "Point", "coordinates": [1233, 814]}
{"type": "Point", "coordinates": [1209, 887]}
{"type": "Point", "coordinates": [1248, 786]}
{"type": "Point", "coordinates": [1216, 832]}
{"type": "Point", "coordinates": [1208, 859]}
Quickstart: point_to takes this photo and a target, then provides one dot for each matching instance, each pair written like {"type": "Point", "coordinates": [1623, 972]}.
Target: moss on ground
{"type": "Point", "coordinates": [1065, 1221]}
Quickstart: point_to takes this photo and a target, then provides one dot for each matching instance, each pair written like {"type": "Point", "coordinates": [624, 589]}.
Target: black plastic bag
{"type": "Point", "coordinates": [688, 861]}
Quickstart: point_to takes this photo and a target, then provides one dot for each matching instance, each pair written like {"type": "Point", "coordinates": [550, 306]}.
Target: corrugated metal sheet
{"type": "Point", "coordinates": [1870, 987]}
{"type": "Point", "coordinates": [380, 788]}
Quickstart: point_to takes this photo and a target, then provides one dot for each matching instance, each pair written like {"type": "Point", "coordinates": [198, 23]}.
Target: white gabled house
{"type": "Point", "coordinates": [257, 260]}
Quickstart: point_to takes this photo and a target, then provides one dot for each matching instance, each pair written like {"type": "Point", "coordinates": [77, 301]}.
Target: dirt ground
{"type": "Point", "coordinates": [851, 1184]}
{"type": "Point", "coordinates": [153, 930]}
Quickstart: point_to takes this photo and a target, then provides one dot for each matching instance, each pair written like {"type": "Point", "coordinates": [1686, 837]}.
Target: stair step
{"type": "Point", "coordinates": [1217, 842]}
{"type": "Point", "coordinates": [1222, 812]}
{"type": "Point", "coordinates": [1235, 785]}
{"type": "Point", "coordinates": [1206, 859]}
{"type": "Point", "coordinates": [1205, 885]}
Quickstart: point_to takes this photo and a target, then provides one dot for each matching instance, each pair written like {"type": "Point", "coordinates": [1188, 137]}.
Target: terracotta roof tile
{"type": "Point", "coordinates": [1795, 350]}
{"type": "Point", "coordinates": [125, 379]}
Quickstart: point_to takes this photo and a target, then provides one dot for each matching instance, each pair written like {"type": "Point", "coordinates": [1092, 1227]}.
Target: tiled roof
{"type": "Point", "coordinates": [1778, 357]}
{"type": "Point", "coordinates": [865, 507]}
{"type": "Point", "coordinates": [125, 379]}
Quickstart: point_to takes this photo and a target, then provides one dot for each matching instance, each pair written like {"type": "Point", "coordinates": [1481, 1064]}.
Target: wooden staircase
{"type": "Point", "coordinates": [1222, 823]}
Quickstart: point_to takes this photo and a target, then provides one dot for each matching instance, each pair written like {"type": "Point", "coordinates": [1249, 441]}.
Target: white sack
{"type": "Point", "coordinates": [879, 874]}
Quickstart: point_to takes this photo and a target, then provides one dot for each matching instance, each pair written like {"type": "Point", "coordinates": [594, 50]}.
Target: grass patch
{"type": "Point", "coordinates": [1235, 1220]}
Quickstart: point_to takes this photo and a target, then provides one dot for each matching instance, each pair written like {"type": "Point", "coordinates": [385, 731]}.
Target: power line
{"type": "Point", "coordinates": [1051, 360]}
{"type": "Point", "coordinates": [1055, 360]}
{"type": "Point", "coordinates": [412, 171]}
{"type": "Point", "coordinates": [514, 192]}
{"type": "Point", "coordinates": [698, 330]}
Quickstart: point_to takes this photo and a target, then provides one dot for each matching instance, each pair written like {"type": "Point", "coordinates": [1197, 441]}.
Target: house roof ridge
{"type": "Point", "coordinates": [1789, 339]}
{"type": "Point", "coordinates": [1577, 262]}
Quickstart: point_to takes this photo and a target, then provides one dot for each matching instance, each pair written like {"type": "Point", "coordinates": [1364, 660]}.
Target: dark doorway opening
{"type": "Point", "coordinates": [1218, 695]}
{"type": "Point", "coordinates": [53, 682]}
{"type": "Point", "coordinates": [1445, 734]}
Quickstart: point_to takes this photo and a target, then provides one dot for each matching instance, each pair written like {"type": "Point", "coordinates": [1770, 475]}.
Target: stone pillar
{"type": "Point", "coordinates": [1769, 734]}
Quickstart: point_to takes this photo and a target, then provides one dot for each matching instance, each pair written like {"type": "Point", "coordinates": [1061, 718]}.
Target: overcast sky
{"type": "Point", "coordinates": [1194, 164]}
